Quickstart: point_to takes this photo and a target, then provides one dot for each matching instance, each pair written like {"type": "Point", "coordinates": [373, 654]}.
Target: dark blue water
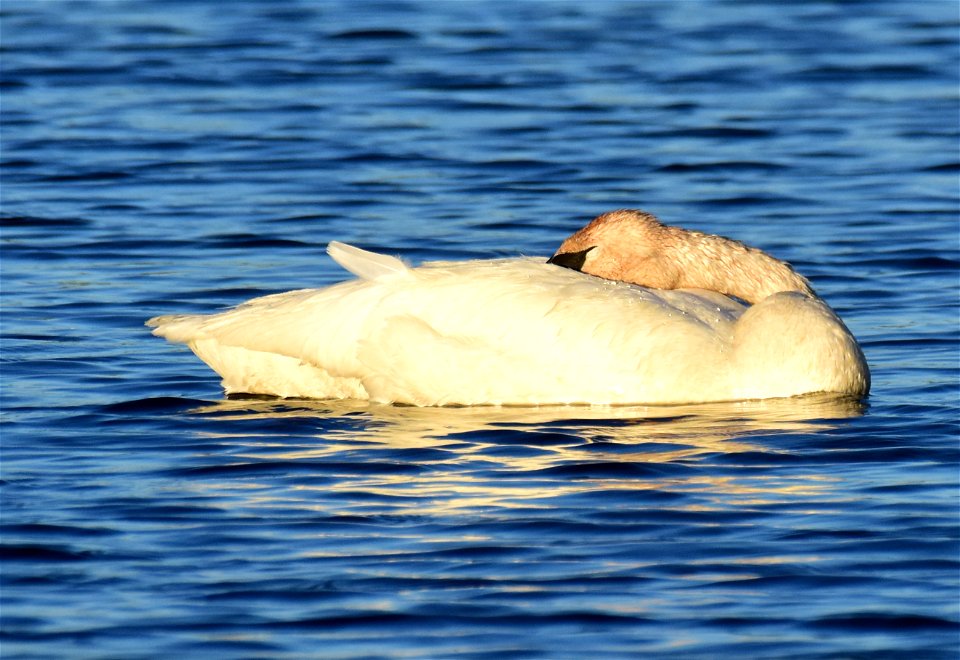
{"type": "Point", "coordinates": [183, 156]}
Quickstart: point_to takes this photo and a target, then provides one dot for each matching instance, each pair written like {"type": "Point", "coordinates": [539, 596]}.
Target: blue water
{"type": "Point", "coordinates": [166, 157]}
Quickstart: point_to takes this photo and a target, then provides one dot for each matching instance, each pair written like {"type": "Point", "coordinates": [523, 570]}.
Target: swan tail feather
{"type": "Point", "coordinates": [178, 328]}
{"type": "Point", "coordinates": [365, 264]}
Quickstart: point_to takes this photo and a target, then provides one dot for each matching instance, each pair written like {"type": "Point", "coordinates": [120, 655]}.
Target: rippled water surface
{"type": "Point", "coordinates": [166, 157]}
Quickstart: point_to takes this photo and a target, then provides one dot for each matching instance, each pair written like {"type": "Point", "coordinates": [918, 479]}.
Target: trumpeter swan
{"type": "Point", "coordinates": [639, 312]}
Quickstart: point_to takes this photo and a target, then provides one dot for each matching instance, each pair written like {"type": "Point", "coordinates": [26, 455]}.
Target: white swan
{"type": "Point", "coordinates": [661, 328]}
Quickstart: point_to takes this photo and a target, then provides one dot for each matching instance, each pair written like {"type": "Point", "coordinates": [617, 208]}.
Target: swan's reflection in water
{"type": "Point", "coordinates": [468, 458]}
{"type": "Point", "coordinates": [699, 424]}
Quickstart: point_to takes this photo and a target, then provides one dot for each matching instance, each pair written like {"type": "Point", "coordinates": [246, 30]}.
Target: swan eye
{"type": "Point", "coordinates": [572, 260]}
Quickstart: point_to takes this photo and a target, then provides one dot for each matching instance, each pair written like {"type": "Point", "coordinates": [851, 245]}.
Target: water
{"type": "Point", "coordinates": [169, 157]}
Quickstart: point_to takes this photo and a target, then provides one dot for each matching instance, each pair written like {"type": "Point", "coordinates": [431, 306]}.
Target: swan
{"type": "Point", "coordinates": [627, 311]}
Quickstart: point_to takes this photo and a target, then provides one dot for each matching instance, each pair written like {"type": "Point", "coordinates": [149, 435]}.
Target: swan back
{"type": "Point", "coordinates": [505, 331]}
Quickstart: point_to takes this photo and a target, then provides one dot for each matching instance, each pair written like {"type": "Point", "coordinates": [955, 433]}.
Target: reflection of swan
{"type": "Point", "coordinates": [660, 328]}
{"type": "Point", "coordinates": [481, 459]}
{"type": "Point", "coordinates": [721, 426]}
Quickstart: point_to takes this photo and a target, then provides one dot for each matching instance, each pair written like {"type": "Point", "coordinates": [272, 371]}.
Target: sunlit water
{"type": "Point", "coordinates": [166, 157]}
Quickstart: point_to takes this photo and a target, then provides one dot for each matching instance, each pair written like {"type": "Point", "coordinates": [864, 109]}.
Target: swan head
{"type": "Point", "coordinates": [634, 246]}
{"type": "Point", "coordinates": [625, 245]}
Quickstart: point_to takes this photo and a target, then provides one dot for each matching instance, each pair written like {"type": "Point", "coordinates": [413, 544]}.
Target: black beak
{"type": "Point", "coordinates": [572, 260]}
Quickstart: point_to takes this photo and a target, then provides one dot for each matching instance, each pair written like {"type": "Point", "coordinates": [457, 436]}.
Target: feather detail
{"type": "Point", "coordinates": [366, 265]}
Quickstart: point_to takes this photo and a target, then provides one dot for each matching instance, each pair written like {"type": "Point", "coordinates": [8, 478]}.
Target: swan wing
{"type": "Point", "coordinates": [518, 331]}
{"type": "Point", "coordinates": [500, 331]}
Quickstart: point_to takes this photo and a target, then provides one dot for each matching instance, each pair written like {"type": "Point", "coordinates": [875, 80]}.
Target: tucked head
{"type": "Point", "coordinates": [634, 246]}
{"type": "Point", "coordinates": [625, 245]}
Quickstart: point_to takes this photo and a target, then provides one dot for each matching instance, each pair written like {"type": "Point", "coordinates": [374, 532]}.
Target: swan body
{"type": "Point", "coordinates": [523, 331]}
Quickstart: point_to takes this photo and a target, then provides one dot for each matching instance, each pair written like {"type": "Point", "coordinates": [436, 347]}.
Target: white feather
{"type": "Point", "coordinates": [365, 264]}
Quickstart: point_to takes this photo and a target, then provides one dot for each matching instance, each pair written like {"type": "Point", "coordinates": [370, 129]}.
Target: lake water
{"type": "Point", "coordinates": [163, 157]}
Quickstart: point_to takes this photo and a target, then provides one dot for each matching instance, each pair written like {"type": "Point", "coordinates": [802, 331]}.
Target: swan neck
{"type": "Point", "coordinates": [732, 268]}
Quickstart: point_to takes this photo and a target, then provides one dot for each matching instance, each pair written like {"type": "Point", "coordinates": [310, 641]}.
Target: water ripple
{"type": "Point", "coordinates": [159, 161]}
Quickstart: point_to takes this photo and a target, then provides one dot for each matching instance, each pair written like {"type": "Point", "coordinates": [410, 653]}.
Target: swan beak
{"type": "Point", "coordinates": [572, 260]}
